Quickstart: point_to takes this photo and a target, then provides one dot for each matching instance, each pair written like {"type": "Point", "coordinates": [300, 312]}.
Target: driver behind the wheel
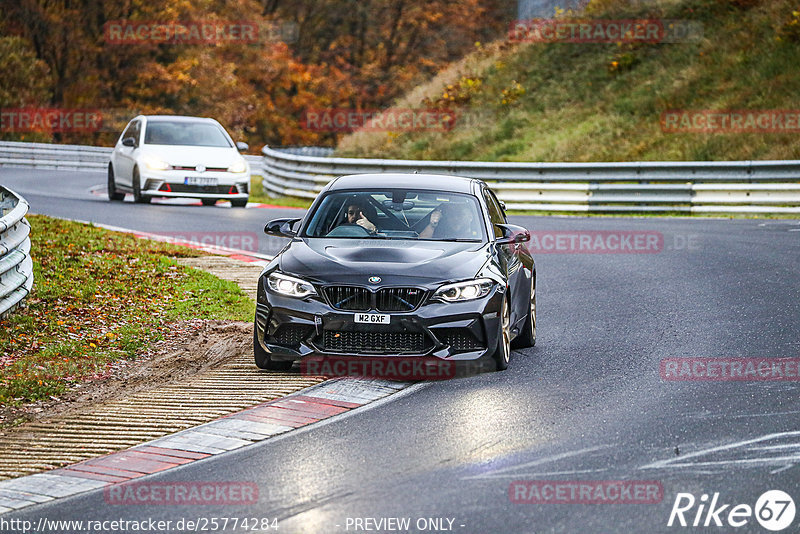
{"type": "Point", "coordinates": [355, 215]}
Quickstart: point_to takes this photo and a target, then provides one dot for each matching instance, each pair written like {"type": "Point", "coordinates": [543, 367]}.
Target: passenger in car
{"type": "Point", "coordinates": [450, 221]}
{"type": "Point", "coordinates": [433, 222]}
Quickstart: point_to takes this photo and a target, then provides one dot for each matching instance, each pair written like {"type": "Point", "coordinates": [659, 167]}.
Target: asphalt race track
{"type": "Point", "coordinates": [82, 196]}
{"type": "Point", "coordinates": [588, 403]}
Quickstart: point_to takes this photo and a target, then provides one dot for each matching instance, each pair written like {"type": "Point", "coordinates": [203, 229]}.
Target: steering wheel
{"type": "Point", "coordinates": [348, 230]}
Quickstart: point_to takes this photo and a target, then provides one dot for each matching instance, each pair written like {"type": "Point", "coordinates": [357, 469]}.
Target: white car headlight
{"type": "Point", "coordinates": [290, 286]}
{"type": "Point", "coordinates": [461, 291]}
{"type": "Point", "coordinates": [155, 163]}
{"type": "Point", "coordinates": [239, 166]}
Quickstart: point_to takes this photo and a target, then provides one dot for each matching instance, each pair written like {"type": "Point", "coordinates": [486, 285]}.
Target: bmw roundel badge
{"type": "Point", "coordinates": [374, 279]}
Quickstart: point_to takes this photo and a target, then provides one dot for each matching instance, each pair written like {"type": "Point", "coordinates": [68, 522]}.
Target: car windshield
{"type": "Point", "coordinates": [397, 214]}
{"type": "Point", "coordinates": [185, 133]}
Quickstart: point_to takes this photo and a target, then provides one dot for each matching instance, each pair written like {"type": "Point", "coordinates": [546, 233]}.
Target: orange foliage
{"type": "Point", "coordinates": [360, 53]}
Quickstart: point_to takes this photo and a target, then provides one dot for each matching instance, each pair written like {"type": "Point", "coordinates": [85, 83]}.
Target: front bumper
{"type": "Point", "coordinates": [173, 184]}
{"type": "Point", "coordinates": [292, 329]}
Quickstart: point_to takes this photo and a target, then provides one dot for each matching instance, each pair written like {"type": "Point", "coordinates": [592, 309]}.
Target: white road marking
{"type": "Point", "coordinates": [744, 415]}
{"type": "Point", "coordinates": [681, 461]}
{"type": "Point", "coordinates": [782, 469]}
{"type": "Point", "coordinates": [742, 461]}
{"type": "Point", "coordinates": [537, 475]}
{"type": "Point", "coordinates": [777, 447]}
{"type": "Point", "coordinates": [540, 461]}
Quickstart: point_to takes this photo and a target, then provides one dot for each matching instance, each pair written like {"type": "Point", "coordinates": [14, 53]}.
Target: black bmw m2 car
{"type": "Point", "coordinates": [398, 265]}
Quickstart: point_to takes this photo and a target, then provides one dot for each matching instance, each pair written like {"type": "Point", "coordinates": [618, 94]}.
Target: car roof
{"type": "Point", "coordinates": [434, 182]}
{"type": "Point", "coordinates": [177, 118]}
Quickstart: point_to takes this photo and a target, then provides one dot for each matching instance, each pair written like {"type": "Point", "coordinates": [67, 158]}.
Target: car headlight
{"type": "Point", "coordinates": [461, 291]}
{"type": "Point", "coordinates": [155, 163]}
{"type": "Point", "coordinates": [290, 286]}
{"type": "Point", "coordinates": [239, 166]}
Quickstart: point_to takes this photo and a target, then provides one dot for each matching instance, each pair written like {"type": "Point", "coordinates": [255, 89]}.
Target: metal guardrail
{"type": "Point", "coordinates": [307, 151]}
{"type": "Point", "coordinates": [69, 157]}
{"type": "Point", "coordinates": [55, 157]}
{"type": "Point", "coordinates": [683, 186]}
{"type": "Point", "coordinates": [16, 267]}
{"type": "Point", "coordinates": [692, 187]}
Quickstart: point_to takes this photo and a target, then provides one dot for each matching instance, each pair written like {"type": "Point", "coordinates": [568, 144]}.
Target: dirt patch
{"type": "Point", "coordinates": [191, 347]}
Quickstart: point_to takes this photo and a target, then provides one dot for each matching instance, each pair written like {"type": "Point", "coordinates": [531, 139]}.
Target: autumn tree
{"type": "Point", "coordinates": [349, 53]}
{"type": "Point", "coordinates": [386, 45]}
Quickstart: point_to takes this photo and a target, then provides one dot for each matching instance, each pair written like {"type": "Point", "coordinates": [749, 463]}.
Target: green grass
{"type": "Point", "coordinates": [98, 297]}
{"type": "Point", "coordinates": [603, 102]}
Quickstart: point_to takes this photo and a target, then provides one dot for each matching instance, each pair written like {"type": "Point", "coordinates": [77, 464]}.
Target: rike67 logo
{"type": "Point", "coordinates": [774, 510]}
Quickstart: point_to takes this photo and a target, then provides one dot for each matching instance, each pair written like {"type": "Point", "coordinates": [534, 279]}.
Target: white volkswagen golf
{"type": "Point", "coordinates": [174, 156]}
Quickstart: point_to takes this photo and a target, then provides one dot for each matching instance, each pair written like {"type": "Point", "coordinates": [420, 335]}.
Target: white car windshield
{"type": "Point", "coordinates": [185, 133]}
{"type": "Point", "coordinates": [398, 214]}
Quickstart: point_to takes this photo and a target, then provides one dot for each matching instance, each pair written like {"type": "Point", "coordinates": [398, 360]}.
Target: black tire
{"type": "Point", "coordinates": [208, 201]}
{"type": "Point", "coordinates": [263, 361]}
{"type": "Point", "coordinates": [113, 194]}
{"type": "Point", "coordinates": [527, 337]}
{"type": "Point", "coordinates": [239, 202]}
{"type": "Point", "coordinates": [503, 353]}
{"type": "Point", "coordinates": [137, 189]}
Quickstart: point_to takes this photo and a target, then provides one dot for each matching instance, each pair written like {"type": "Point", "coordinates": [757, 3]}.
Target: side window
{"type": "Point", "coordinates": [127, 131]}
{"type": "Point", "coordinates": [132, 130]}
{"type": "Point", "coordinates": [495, 212]}
{"type": "Point", "coordinates": [137, 129]}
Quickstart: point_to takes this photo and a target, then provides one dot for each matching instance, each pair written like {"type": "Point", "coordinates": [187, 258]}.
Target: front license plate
{"type": "Point", "coordinates": [372, 318]}
{"type": "Point", "coordinates": [199, 180]}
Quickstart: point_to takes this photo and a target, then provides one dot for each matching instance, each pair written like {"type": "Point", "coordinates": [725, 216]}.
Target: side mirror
{"type": "Point", "coordinates": [242, 147]}
{"type": "Point", "coordinates": [281, 227]}
{"type": "Point", "coordinates": [513, 234]}
{"type": "Point", "coordinates": [129, 141]}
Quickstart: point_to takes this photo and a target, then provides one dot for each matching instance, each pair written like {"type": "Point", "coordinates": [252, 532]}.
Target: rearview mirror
{"type": "Point", "coordinates": [242, 147]}
{"type": "Point", "coordinates": [513, 234]}
{"type": "Point", "coordinates": [129, 141]}
{"type": "Point", "coordinates": [404, 205]}
{"type": "Point", "coordinates": [281, 227]}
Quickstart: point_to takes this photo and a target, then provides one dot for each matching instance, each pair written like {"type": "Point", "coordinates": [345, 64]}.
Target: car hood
{"type": "Point", "coordinates": [396, 262]}
{"type": "Point", "coordinates": [191, 156]}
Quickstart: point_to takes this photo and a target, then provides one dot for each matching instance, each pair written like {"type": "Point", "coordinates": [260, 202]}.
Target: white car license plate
{"type": "Point", "coordinates": [372, 318]}
{"type": "Point", "coordinates": [199, 180]}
